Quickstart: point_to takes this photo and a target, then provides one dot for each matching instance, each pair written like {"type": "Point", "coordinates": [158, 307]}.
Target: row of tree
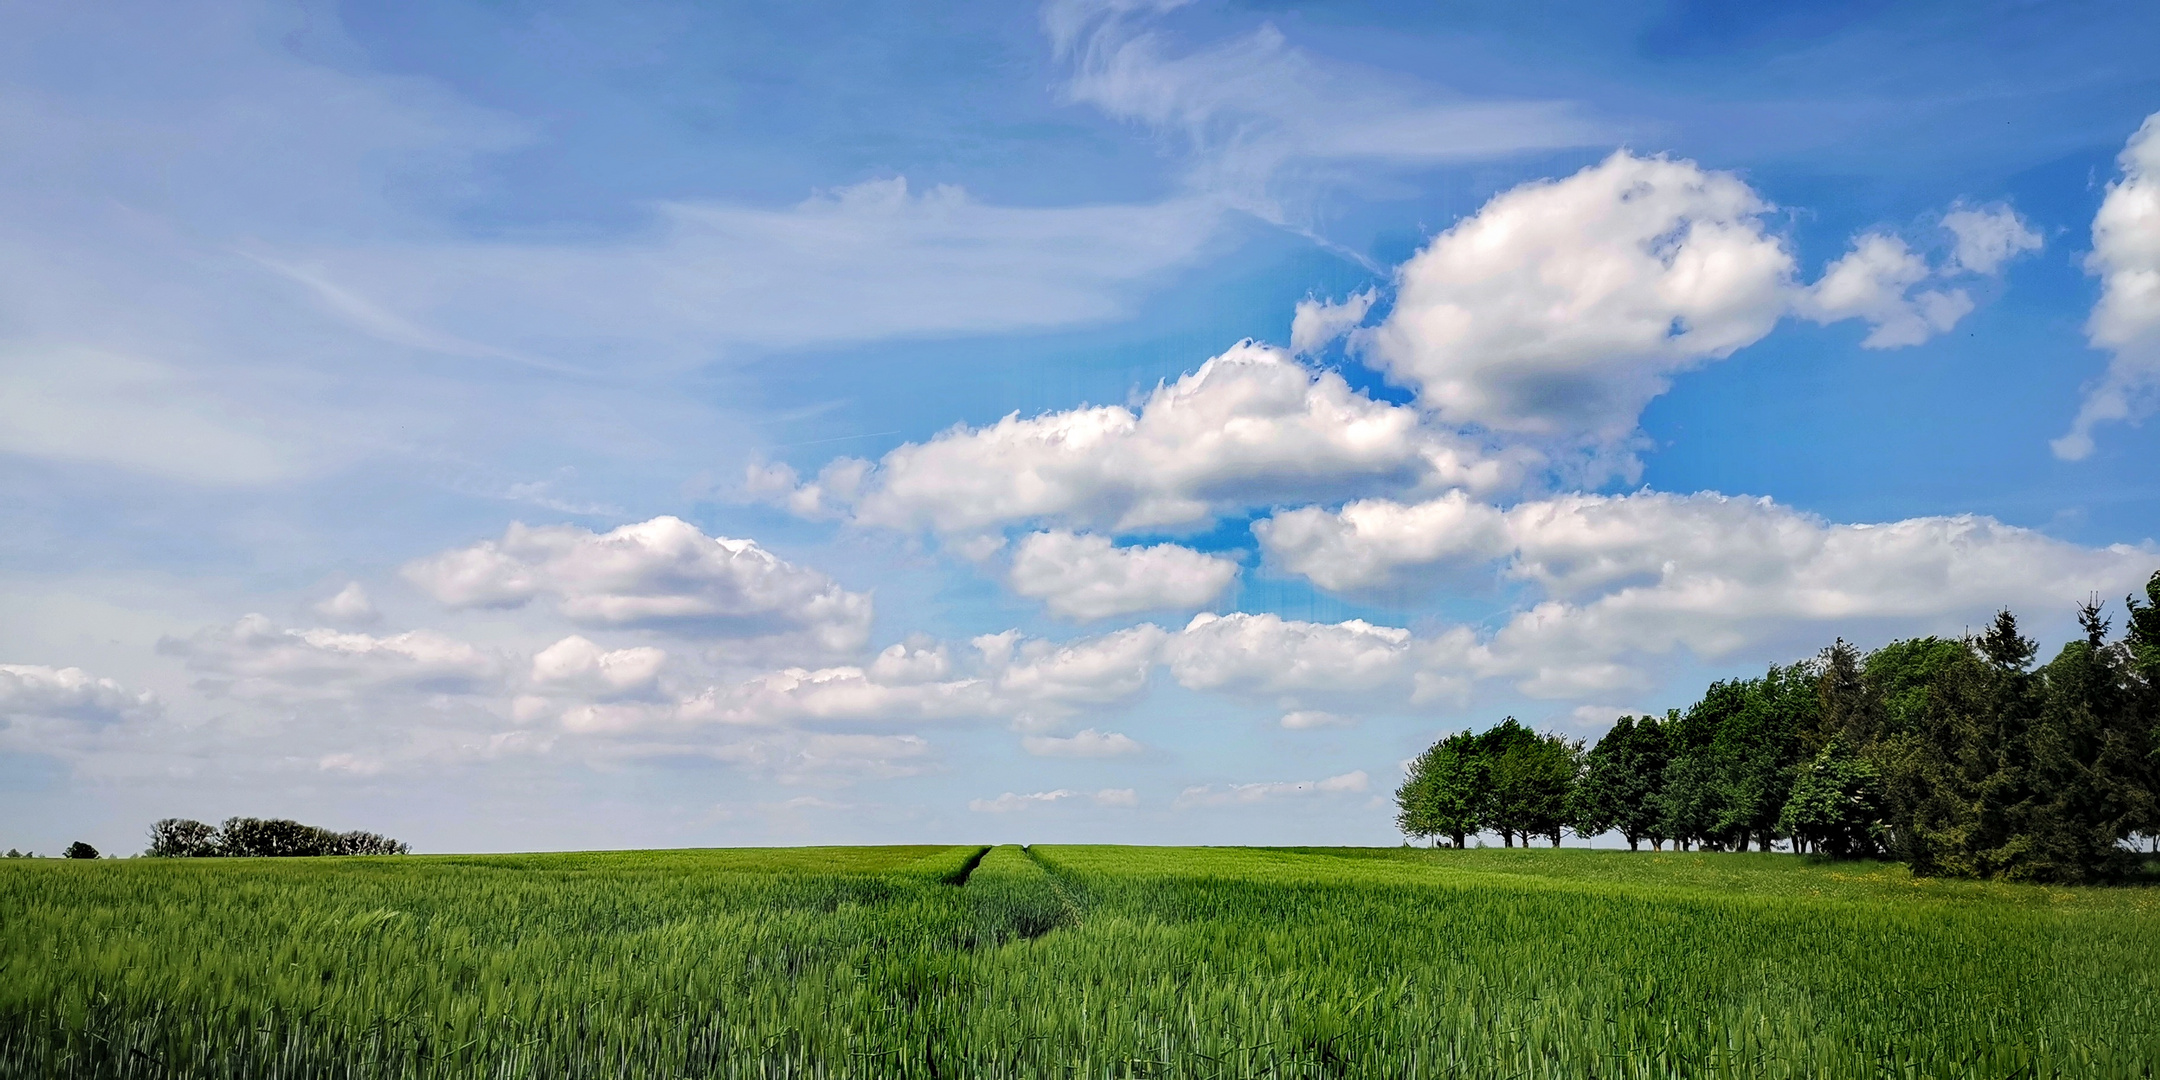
{"type": "Point", "coordinates": [180, 838]}
{"type": "Point", "coordinates": [1960, 757]}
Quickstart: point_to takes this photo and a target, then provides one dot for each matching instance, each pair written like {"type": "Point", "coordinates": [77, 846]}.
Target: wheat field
{"type": "Point", "coordinates": [1066, 961]}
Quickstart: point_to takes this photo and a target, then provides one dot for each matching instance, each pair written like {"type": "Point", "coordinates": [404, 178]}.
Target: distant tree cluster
{"type": "Point", "coordinates": [1960, 757]}
{"type": "Point", "coordinates": [180, 838]}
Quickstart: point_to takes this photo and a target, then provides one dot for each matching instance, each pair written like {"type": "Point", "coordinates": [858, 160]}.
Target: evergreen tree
{"type": "Point", "coordinates": [2141, 644]}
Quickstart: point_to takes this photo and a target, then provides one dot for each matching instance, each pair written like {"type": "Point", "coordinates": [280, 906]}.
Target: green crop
{"type": "Point", "coordinates": [957, 962]}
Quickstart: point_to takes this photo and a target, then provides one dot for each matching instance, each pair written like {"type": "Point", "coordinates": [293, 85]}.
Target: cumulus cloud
{"type": "Point", "coordinates": [2126, 321]}
{"type": "Point", "coordinates": [1085, 576]}
{"type": "Point", "coordinates": [255, 658]}
{"type": "Point", "coordinates": [662, 573]}
{"type": "Point", "coordinates": [1028, 682]}
{"type": "Point", "coordinates": [1562, 307]}
{"type": "Point", "coordinates": [1307, 719]}
{"type": "Point", "coordinates": [1988, 237]}
{"type": "Point", "coordinates": [1646, 573]}
{"type": "Point", "coordinates": [350, 606]}
{"type": "Point", "coordinates": [1041, 681]}
{"type": "Point", "coordinates": [31, 692]}
{"type": "Point", "coordinates": [575, 663]}
{"type": "Point", "coordinates": [1368, 540]}
{"type": "Point", "coordinates": [1251, 426]}
{"type": "Point", "coordinates": [1266, 653]}
{"type": "Point", "coordinates": [1319, 322]}
{"type": "Point", "coordinates": [1874, 282]}
{"type": "Point", "coordinates": [1087, 744]}
{"type": "Point", "coordinates": [1242, 794]}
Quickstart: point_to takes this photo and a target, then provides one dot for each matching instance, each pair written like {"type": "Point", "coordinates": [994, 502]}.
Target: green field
{"type": "Point", "coordinates": [1067, 961]}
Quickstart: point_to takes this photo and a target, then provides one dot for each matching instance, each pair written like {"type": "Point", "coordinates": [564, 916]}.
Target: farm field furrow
{"type": "Point", "coordinates": [1067, 961]}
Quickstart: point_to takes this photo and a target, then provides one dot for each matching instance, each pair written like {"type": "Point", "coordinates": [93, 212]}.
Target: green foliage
{"type": "Point", "coordinates": [1621, 778]}
{"type": "Point", "coordinates": [1509, 780]}
{"type": "Point", "coordinates": [916, 963]}
{"type": "Point", "coordinates": [241, 837]}
{"type": "Point", "coordinates": [1836, 806]}
{"type": "Point", "coordinates": [1447, 790]}
{"type": "Point", "coordinates": [180, 838]}
{"type": "Point", "coordinates": [80, 850]}
{"type": "Point", "coordinates": [1960, 757]}
{"type": "Point", "coordinates": [1531, 781]}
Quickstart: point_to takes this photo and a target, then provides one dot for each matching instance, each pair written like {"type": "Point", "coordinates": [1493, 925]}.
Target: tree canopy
{"type": "Point", "coordinates": [1963, 757]}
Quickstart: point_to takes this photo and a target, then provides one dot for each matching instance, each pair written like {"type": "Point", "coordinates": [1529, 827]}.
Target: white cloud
{"type": "Point", "coordinates": [1028, 682]}
{"type": "Point", "coordinates": [1011, 801]}
{"type": "Point", "coordinates": [1630, 576]}
{"type": "Point", "coordinates": [1251, 426]}
{"type": "Point", "coordinates": [1087, 744]}
{"type": "Point", "coordinates": [1040, 680]}
{"type": "Point", "coordinates": [35, 692]}
{"type": "Point", "coordinates": [2126, 258]}
{"type": "Point", "coordinates": [660, 573]}
{"type": "Point", "coordinates": [1085, 576]}
{"type": "Point", "coordinates": [575, 663]}
{"type": "Point", "coordinates": [908, 663]}
{"type": "Point", "coordinates": [1365, 542]}
{"type": "Point", "coordinates": [844, 696]}
{"type": "Point", "coordinates": [254, 658]}
{"type": "Point", "coordinates": [1242, 794]}
{"type": "Point", "coordinates": [350, 606]}
{"type": "Point", "coordinates": [1266, 653]}
{"type": "Point", "coordinates": [1988, 237]}
{"type": "Point", "coordinates": [1874, 281]}
{"type": "Point", "coordinates": [1562, 307]}
{"type": "Point", "coordinates": [1307, 719]}
{"type": "Point", "coordinates": [1319, 322]}
{"type": "Point", "coordinates": [1649, 572]}
{"type": "Point", "coordinates": [1262, 120]}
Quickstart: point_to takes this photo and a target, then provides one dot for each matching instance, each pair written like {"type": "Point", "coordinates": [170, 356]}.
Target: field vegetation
{"type": "Point", "coordinates": [1068, 961]}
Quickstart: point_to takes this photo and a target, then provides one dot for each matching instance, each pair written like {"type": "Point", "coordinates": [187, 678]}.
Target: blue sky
{"type": "Point", "coordinates": [555, 425]}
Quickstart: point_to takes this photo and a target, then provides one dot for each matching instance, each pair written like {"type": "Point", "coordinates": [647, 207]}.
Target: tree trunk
{"type": "Point", "coordinates": [1631, 844]}
{"type": "Point", "coordinates": [1556, 839]}
{"type": "Point", "coordinates": [1458, 841]}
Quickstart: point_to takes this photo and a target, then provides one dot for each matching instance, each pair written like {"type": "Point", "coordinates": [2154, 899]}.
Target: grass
{"type": "Point", "coordinates": [1067, 961]}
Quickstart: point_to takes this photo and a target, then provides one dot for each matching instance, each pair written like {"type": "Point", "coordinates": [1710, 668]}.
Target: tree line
{"type": "Point", "coordinates": [1962, 757]}
{"type": "Point", "coordinates": [246, 837]}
